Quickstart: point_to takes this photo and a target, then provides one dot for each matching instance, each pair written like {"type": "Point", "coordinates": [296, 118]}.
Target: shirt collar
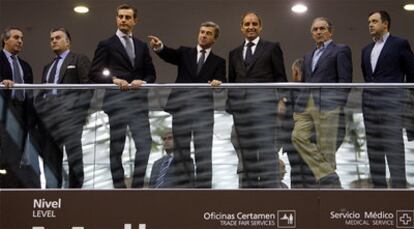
{"type": "Point", "coordinates": [325, 44]}
{"type": "Point", "coordinates": [64, 54]}
{"type": "Point", "coordinates": [120, 34]}
{"type": "Point", "coordinates": [255, 41]}
{"type": "Point", "coordinates": [199, 49]}
{"type": "Point", "coordinates": [8, 54]}
{"type": "Point", "coordinates": [382, 39]}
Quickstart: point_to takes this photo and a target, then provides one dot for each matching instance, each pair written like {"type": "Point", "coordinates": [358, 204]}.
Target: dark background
{"type": "Point", "coordinates": [176, 22]}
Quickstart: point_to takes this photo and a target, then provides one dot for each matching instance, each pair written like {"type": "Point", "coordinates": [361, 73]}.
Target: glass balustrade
{"type": "Point", "coordinates": [230, 137]}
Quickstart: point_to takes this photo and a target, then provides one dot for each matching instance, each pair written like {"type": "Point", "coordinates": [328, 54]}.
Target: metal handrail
{"type": "Point", "coordinates": [224, 85]}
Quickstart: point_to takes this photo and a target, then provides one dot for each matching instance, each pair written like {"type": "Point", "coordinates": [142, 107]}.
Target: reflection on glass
{"type": "Point", "coordinates": [69, 146]}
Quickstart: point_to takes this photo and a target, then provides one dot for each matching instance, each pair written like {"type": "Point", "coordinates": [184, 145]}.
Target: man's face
{"type": "Point", "coordinates": [251, 27]}
{"type": "Point", "coordinates": [59, 42]}
{"type": "Point", "coordinates": [376, 26]}
{"type": "Point", "coordinates": [125, 20]}
{"type": "Point", "coordinates": [320, 32]}
{"type": "Point", "coordinates": [15, 42]}
{"type": "Point", "coordinates": [206, 37]}
{"type": "Point", "coordinates": [168, 142]}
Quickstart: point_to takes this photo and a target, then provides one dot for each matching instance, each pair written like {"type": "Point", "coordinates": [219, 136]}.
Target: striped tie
{"type": "Point", "coordinates": [163, 171]}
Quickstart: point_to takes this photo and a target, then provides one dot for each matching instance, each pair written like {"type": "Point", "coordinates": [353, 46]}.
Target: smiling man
{"type": "Point", "coordinates": [193, 110]}
{"type": "Point", "coordinates": [255, 110]}
{"type": "Point", "coordinates": [129, 64]}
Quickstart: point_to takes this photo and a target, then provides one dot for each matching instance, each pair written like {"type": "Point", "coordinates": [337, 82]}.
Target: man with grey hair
{"type": "Point", "coordinates": [318, 110]}
{"type": "Point", "coordinates": [193, 110]}
{"type": "Point", "coordinates": [19, 105]}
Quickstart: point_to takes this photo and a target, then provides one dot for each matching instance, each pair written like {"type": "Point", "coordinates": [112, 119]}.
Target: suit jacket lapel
{"type": "Point", "coordinates": [8, 70]}
{"type": "Point", "coordinates": [383, 53]}
{"type": "Point", "coordinates": [64, 66]}
{"type": "Point", "coordinates": [121, 49]}
{"type": "Point", "coordinates": [207, 63]}
{"type": "Point", "coordinates": [45, 70]}
{"type": "Point", "coordinates": [367, 59]}
{"type": "Point", "coordinates": [137, 51]}
{"type": "Point", "coordinates": [239, 56]}
{"type": "Point", "coordinates": [308, 66]}
{"type": "Point", "coordinates": [258, 52]}
{"type": "Point", "coordinates": [328, 50]}
{"type": "Point", "coordinates": [193, 61]}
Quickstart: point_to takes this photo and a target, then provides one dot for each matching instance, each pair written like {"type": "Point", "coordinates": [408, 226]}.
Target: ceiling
{"type": "Point", "coordinates": [176, 22]}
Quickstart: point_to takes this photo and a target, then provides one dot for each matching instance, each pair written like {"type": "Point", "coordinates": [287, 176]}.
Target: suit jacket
{"type": "Point", "coordinates": [111, 54]}
{"type": "Point", "coordinates": [74, 70]}
{"type": "Point", "coordinates": [7, 73]}
{"type": "Point", "coordinates": [63, 113]}
{"type": "Point", "coordinates": [267, 66]}
{"type": "Point", "coordinates": [11, 151]}
{"type": "Point", "coordinates": [173, 178]}
{"type": "Point", "coordinates": [185, 58]}
{"type": "Point", "coordinates": [26, 121]}
{"type": "Point", "coordinates": [395, 65]}
{"type": "Point", "coordinates": [333, 66]}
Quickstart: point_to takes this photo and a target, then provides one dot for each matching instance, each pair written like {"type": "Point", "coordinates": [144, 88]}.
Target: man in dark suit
{"type": "Point", "coordinates": [255, 110]}
{"type": "Point", "coordinates": [389, 59]}
{"type": "Point", "coordinates": [166, 172]}
{"type": "Point", "coordinates": [63, 113]}
{"type": "Point", "coordinates": [17, 114]}
{"type": "Point", "coordinates": [317, 110]}
{"type": "Point", "coordinates": [193, 110]}
{"type": "Point", "coordinates": [125, 61]}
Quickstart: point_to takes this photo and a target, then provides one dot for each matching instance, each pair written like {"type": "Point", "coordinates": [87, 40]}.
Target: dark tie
{"type": "Point", "coordinates": [163, 171]}
{"type": "Point", "coordinates": [249, 53]}
{"type": "Point", "coordinates": [53, 71]}
{"type": "Point", "coordinates": [17, 78]}
{"type": "Point", "coordinates": [201, 60]}
{"type": "Point", "coordinates": [129, 49]}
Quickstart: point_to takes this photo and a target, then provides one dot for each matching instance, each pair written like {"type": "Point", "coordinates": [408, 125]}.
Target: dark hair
{"type": "Point", "coordinates": [127, 7]}
{"type": "Point", "coordinates": [65, 31]}
{"type": "Point", "coordinates": [330, 24]}
{"type": "Point", "coordinates": [212, 25]}
{"type": "Point", "coordinates": [247, 13]}
{"type": "Point", "coordinates": [384, 16]}
{"type": "Point", "coordinates": [5, 35]}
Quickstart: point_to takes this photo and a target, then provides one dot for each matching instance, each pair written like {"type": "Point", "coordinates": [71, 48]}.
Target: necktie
{"type": "Point", "coordinates": [17, 78]}
{"type": "Point", "coordinates": [201, 60]}
{"type": "Point", "coordinates": [163, 171]}
{"type": "Point", "coordinates": [52, 73]}
{"type": "Point", "coordinates": [316, 56]}
{"type": "Point", "coordinates": [249, 53]}
{"type": "Point", "coordinates": [129, 49]}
